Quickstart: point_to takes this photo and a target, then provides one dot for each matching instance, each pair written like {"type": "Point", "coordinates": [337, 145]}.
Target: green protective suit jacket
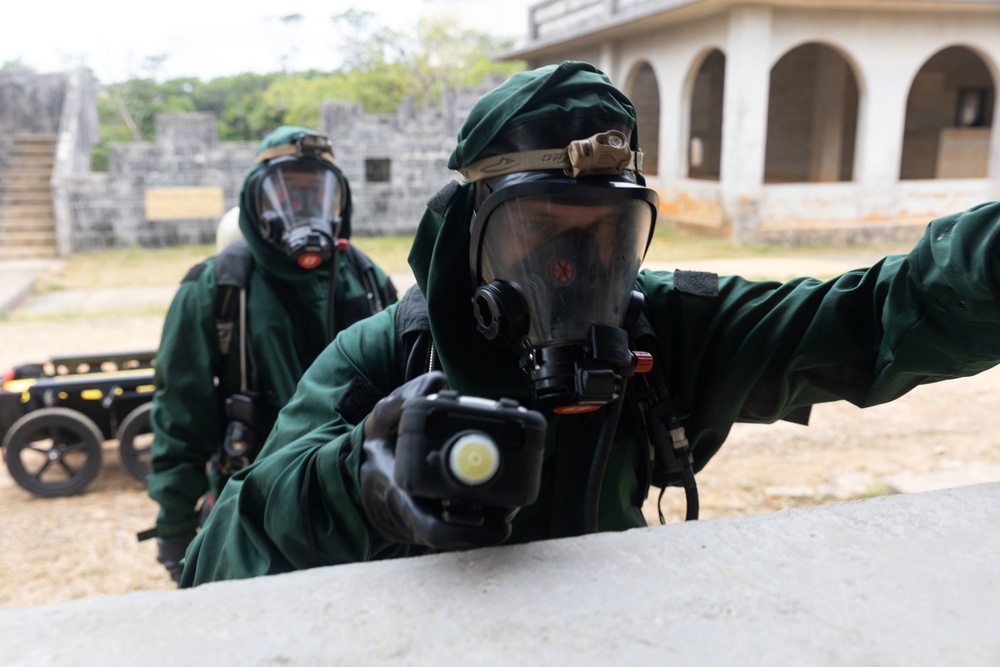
{"type": "Point", "coordinates": [287, 332]}
{"type": "Point", "coordinates": [286, 315]}
{"type": "Point", "coordinates": [748, 352]}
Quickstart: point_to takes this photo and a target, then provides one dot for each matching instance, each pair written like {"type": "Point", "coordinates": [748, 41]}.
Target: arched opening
{"type": "Point", "coordinates": [705, 140]}
{"type": "Point", "coordinates": [812, 117]}
{"type": "Point", "coordinates": [949, 114]}
{"type": "Point", "coordinates": [645, 96]}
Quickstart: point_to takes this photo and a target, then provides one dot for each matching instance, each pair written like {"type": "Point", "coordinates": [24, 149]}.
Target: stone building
{"type": "Point", "coordinates": [791, 120]}
{"type": "Point", "coordinates": [174, 189]}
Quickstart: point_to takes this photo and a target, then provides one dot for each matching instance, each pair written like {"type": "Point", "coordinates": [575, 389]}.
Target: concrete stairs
{"type": "Point", "coordinates": [27, 218]}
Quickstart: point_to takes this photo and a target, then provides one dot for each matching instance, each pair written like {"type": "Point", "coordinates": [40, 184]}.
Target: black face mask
{"type": "Point", "coordinates": [563, 299]}
{"type": "Point", "coordinates": [299, 203]}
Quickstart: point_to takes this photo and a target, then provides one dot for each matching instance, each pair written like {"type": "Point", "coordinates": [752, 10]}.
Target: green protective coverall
{"type": "Point", "coordinates": [753, 352]}
{"type": "Point", "coordinates": [286, 321]}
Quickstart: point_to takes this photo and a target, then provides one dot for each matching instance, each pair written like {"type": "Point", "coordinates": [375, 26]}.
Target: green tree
{"type": "Point", "coordinates": [236, 102]}
{"type": "Point", "coordinates": [381, 68]}
{"type": "Point", "coordinates": [17, 65]}
{"type": "Point", "coordinates": [384, 66]}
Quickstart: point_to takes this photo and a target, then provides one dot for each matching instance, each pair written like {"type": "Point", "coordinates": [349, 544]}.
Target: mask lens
{"type": "Point", "coordinates": [295, 194]}
{"type": "Point", "coordinates": [574, 258]}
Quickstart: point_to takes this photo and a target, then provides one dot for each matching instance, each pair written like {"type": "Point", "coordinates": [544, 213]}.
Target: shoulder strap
{"type": "Point", "coordinates": [659, 422]}
{"type": "Point", "coordinates": [362, 267]}
{"type": "Point", "coordinates": [414, 344]}
{"type": "Point", "coordinates": [414, 356]}
{"type": "Point", "coordinates": [232, 275]}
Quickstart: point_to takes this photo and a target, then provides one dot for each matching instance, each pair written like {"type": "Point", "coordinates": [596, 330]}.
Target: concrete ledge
{"type": "Point", "coordinates": [898, 580]}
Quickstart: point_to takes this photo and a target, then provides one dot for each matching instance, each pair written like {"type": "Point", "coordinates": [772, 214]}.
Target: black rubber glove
{"type": "Point", "coordinates": [399, 516]}
{"type": "Point", "coordinates": [170, 552]}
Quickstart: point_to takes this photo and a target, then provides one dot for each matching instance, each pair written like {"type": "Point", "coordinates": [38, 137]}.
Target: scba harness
{"type": "Point", "coordinates": [649, 413]}
{"type": "Point", "coordinates": [232, 270]}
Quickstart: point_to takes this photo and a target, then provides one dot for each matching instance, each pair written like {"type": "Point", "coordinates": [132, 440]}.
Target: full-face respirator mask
{"type": "Point", "coordinates": [554, 258]}
{"type": "Point", "coordinates": [299, 197]}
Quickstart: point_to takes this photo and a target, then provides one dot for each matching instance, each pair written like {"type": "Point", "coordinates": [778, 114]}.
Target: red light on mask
{"type": "Point", "coordinates": [309, 260]}
{"type": "Point", "coordinates": [578, 409]}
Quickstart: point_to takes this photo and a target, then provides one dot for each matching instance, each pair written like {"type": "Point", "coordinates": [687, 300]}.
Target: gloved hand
{"type": "Point", "coordinates": [170, 552]}
{"type": "Point", "coordinates": [396, 514]}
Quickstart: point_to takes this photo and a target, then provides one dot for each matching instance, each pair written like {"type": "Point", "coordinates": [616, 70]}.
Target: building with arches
{"type": "Point", "coordinates": [794, 120]}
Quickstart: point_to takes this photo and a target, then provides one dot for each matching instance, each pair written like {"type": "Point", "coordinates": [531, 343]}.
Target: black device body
{"type": "Point", "coordinates": [430, 425]}
{"type": "Point", "coordinates": [241, 435]}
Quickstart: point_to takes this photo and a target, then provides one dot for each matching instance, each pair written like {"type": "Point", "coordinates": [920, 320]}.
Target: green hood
{"type": "Point", "coordinates": [270, 259]}
{"type": "Point", "coordinates": [440, 253]}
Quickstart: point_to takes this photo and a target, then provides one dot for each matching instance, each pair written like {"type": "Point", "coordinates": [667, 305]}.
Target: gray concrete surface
{"type": "Point", "coordinates": [17, 277]}
{"type": "Point", "coordinates": [898, 580]}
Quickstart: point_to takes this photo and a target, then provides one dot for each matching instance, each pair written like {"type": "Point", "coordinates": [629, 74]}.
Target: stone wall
{"type": "Point", "coordinates": [186, 163]}
{"type": "Point", "coordinates": [173, 190]}
{"type": "Point", "coordinates": [396, 162]}
{"type": "Point", "coordinates": [31, 103]}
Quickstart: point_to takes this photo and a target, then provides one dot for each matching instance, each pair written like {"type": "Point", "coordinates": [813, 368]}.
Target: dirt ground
{"type": "Point", "coordinates": [82, 546]}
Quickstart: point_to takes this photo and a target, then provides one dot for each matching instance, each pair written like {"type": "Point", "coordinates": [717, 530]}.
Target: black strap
{"type": "Point", "coordinates": [659, 425]}
{"type": "Point", "coordinates": [305, 504]}
{"type": "Point", "coordinates": [362, 267]}
{"type": "Point", "coordinates": [566, 445]}
{"type": "Point", "coordinates": [414, 343]}
{"type": "Point", "coordinates": [232, 270]}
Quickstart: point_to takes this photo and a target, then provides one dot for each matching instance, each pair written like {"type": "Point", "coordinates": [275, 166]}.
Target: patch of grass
{"type": "Point", "coordinates": [875, 490]}
{"type": "Point", "coordinates": [124, 267]}
{"type": "Point", "coordinates": [136, 266]}
{"type": "Point", "coordinates": [69, 315]}
{"type": "Point", "coordinates": [672, 244]}
{"type": "Point", "coordinates": [389, 252]}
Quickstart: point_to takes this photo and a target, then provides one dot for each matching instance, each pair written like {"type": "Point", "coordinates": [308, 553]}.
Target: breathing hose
{"type": "Point", "coordinates": [599, 464]}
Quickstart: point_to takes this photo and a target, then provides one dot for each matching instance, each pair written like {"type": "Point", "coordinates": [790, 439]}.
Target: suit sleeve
{"type": "Point", "coordinates": [763, 351]}
{"type": "Point", "coordinates": [186, 417]}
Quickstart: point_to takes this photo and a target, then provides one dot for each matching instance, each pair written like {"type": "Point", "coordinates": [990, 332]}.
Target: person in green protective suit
{"type": "Point", "coordinates": [246, 324]}
{"type": "Point", "coordinates": [530, 291]}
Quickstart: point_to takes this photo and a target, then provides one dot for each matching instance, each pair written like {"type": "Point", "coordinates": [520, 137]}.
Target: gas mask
{"type": "Point", "coordinates": [554, 262]}
{"type": "Point", "coordinates": [299, 197]}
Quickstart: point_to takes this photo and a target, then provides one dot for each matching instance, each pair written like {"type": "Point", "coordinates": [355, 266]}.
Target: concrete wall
{"type": "Point", "coordinates": [898, 580]}
{"type": "Point", "coordinates": [186, 160]}
{"type": "Point", "coordinates": [412, 144]}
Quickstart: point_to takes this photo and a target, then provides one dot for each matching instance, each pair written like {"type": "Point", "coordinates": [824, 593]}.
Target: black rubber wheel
{"type": "Point", "coordinates": [53, 452]}
{"type": "Point", "coordinates": [135, 442]}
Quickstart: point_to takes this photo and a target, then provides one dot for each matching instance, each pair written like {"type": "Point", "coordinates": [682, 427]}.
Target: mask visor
{"type": "Point", "coordinates": [297, 202]}
{"type": "Point", "coordinates": [573, 253]}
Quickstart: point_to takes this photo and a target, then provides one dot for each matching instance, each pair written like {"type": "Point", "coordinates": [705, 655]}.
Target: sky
{"type": "Point", "coordinates": [209, 38]}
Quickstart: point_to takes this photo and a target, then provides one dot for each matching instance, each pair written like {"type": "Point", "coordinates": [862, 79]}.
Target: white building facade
{"type": "Point", "coordinates": [798, 120]}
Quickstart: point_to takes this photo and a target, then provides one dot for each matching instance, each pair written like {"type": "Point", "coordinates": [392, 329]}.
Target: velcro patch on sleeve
{"type": "Point", "coordinates": [193, 273]}
{"type": "Point", "coordinates": [359, 399]}
{"type": "Point", "coordinates": [697, 283]}
{"type": "Point", "coordinates": [439, 202]}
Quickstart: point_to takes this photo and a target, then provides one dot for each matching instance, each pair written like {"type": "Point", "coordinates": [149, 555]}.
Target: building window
{"type": "Point", "coordinates": [377, 170]}
{"type": "Point", "coordinates": [971, 107]}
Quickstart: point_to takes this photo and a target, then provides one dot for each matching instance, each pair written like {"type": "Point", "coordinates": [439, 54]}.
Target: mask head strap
{"type": "Point", "coordinates": [603, 154]}
{"type": "Point", "coordinates": [315, 146]}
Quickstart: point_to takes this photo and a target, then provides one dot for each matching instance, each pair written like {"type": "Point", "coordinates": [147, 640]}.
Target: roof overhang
{"type": "Point", "coordinates": [652, 16]}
